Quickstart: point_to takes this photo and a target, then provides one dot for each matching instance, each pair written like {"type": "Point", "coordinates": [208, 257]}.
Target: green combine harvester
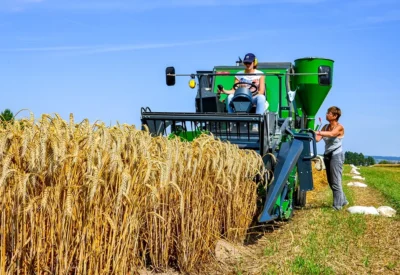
{"type": "Point", "coordinates": [283, 135]}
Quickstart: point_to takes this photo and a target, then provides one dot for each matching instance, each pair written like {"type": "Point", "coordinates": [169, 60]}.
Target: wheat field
{"type": "Point", "coordinates": [82, 198]}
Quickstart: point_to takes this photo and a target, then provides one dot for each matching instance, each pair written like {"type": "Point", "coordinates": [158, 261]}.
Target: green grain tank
{"type": "Point", "coordinates": [313, 86]}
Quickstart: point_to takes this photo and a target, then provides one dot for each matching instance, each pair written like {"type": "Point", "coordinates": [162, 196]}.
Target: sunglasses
{"type": "Point", "coordinates": [247, 63]}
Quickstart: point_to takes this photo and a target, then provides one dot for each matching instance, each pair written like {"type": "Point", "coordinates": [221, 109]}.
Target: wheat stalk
{"type": "Point", "coordinates": [91, 199]}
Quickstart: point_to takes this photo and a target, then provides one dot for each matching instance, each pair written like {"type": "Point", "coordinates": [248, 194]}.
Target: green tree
{"type": "Point", "coordinates": [6, 115]}
{"type": "Point", "coordinates": [370, 161]}
{"type": "Point", "coordinates": [358, 159]}
{"type": "Point", "coordinates": [385, 162]}
{"type": "Point", "coordinates": [361, 159]}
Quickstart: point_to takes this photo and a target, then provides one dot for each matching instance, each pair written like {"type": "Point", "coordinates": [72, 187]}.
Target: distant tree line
{"type": "Point", "coordinates": [358, 159]}
{"type": "Point", "coordinates": [389, 162]}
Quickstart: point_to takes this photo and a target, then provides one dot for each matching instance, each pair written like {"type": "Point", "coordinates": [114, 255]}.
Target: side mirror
{"type": "Point", "coordinates": [327, 78]}
{"type": "Point", "coordinates": [170, 79]}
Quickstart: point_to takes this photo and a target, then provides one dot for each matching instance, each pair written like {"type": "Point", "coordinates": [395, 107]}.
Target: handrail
{"type": "Point", "coordinates": [312, 137]}
{"type": "Point", "coordinates": [240, 74]}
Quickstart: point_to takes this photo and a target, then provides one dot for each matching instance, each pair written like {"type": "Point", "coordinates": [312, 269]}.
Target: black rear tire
{"type": "Point", "coordinates": [300, 197]}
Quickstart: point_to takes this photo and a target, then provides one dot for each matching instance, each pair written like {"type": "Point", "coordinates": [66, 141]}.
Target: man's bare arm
{"type": "Point", "coordinates": [337, 132]}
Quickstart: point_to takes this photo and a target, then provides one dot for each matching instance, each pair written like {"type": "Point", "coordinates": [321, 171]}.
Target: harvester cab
{"type": "Point", "coordinates": [283, 135]}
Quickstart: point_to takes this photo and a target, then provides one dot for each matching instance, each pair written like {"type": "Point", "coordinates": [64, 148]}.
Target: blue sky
{"type": "Point", "coordinates": [104, 60]}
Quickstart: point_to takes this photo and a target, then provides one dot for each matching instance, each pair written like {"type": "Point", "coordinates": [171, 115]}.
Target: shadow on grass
{"type": "Point", "coordinates": [257, 232]}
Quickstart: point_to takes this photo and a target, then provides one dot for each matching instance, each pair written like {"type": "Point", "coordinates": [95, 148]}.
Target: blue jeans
{"type": "Point", "coordinates": [259, 100]}
{"type": "Point", "coordinates": [334, 170]}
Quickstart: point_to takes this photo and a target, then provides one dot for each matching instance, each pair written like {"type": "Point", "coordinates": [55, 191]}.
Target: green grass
{"type": "Point", "coordinates": [320, 240]}
{"type": "Point", "coordinates": [309, 266]}
{"type": "Point", "coordinates": [339, 233]}
{"type": "Point", "coordinates": [386, 179]}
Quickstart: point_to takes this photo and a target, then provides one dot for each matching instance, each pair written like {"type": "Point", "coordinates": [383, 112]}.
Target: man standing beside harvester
{"type": "Point", "coordinates": [332, 134]}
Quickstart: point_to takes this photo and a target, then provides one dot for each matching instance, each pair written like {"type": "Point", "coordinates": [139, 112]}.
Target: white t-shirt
{"type": "Point", "coordinates": [255, 79]}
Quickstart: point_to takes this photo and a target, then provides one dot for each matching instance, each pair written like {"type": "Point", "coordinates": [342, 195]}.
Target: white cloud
{"type": "Point", "coordinates": [393, 15]}
{"type": "Point", "coordinates": [17, 5]}
{"type": "Point", "coordinates": [31, 1]}
{"type": "Point", "coordinates": [138, 5]}
{"type": "Point", "coordinates": [371, 3]}
{"type": "Point", "coordinates": [120, 48]}
{"type": "Point", "coordinates": [48, 49]}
